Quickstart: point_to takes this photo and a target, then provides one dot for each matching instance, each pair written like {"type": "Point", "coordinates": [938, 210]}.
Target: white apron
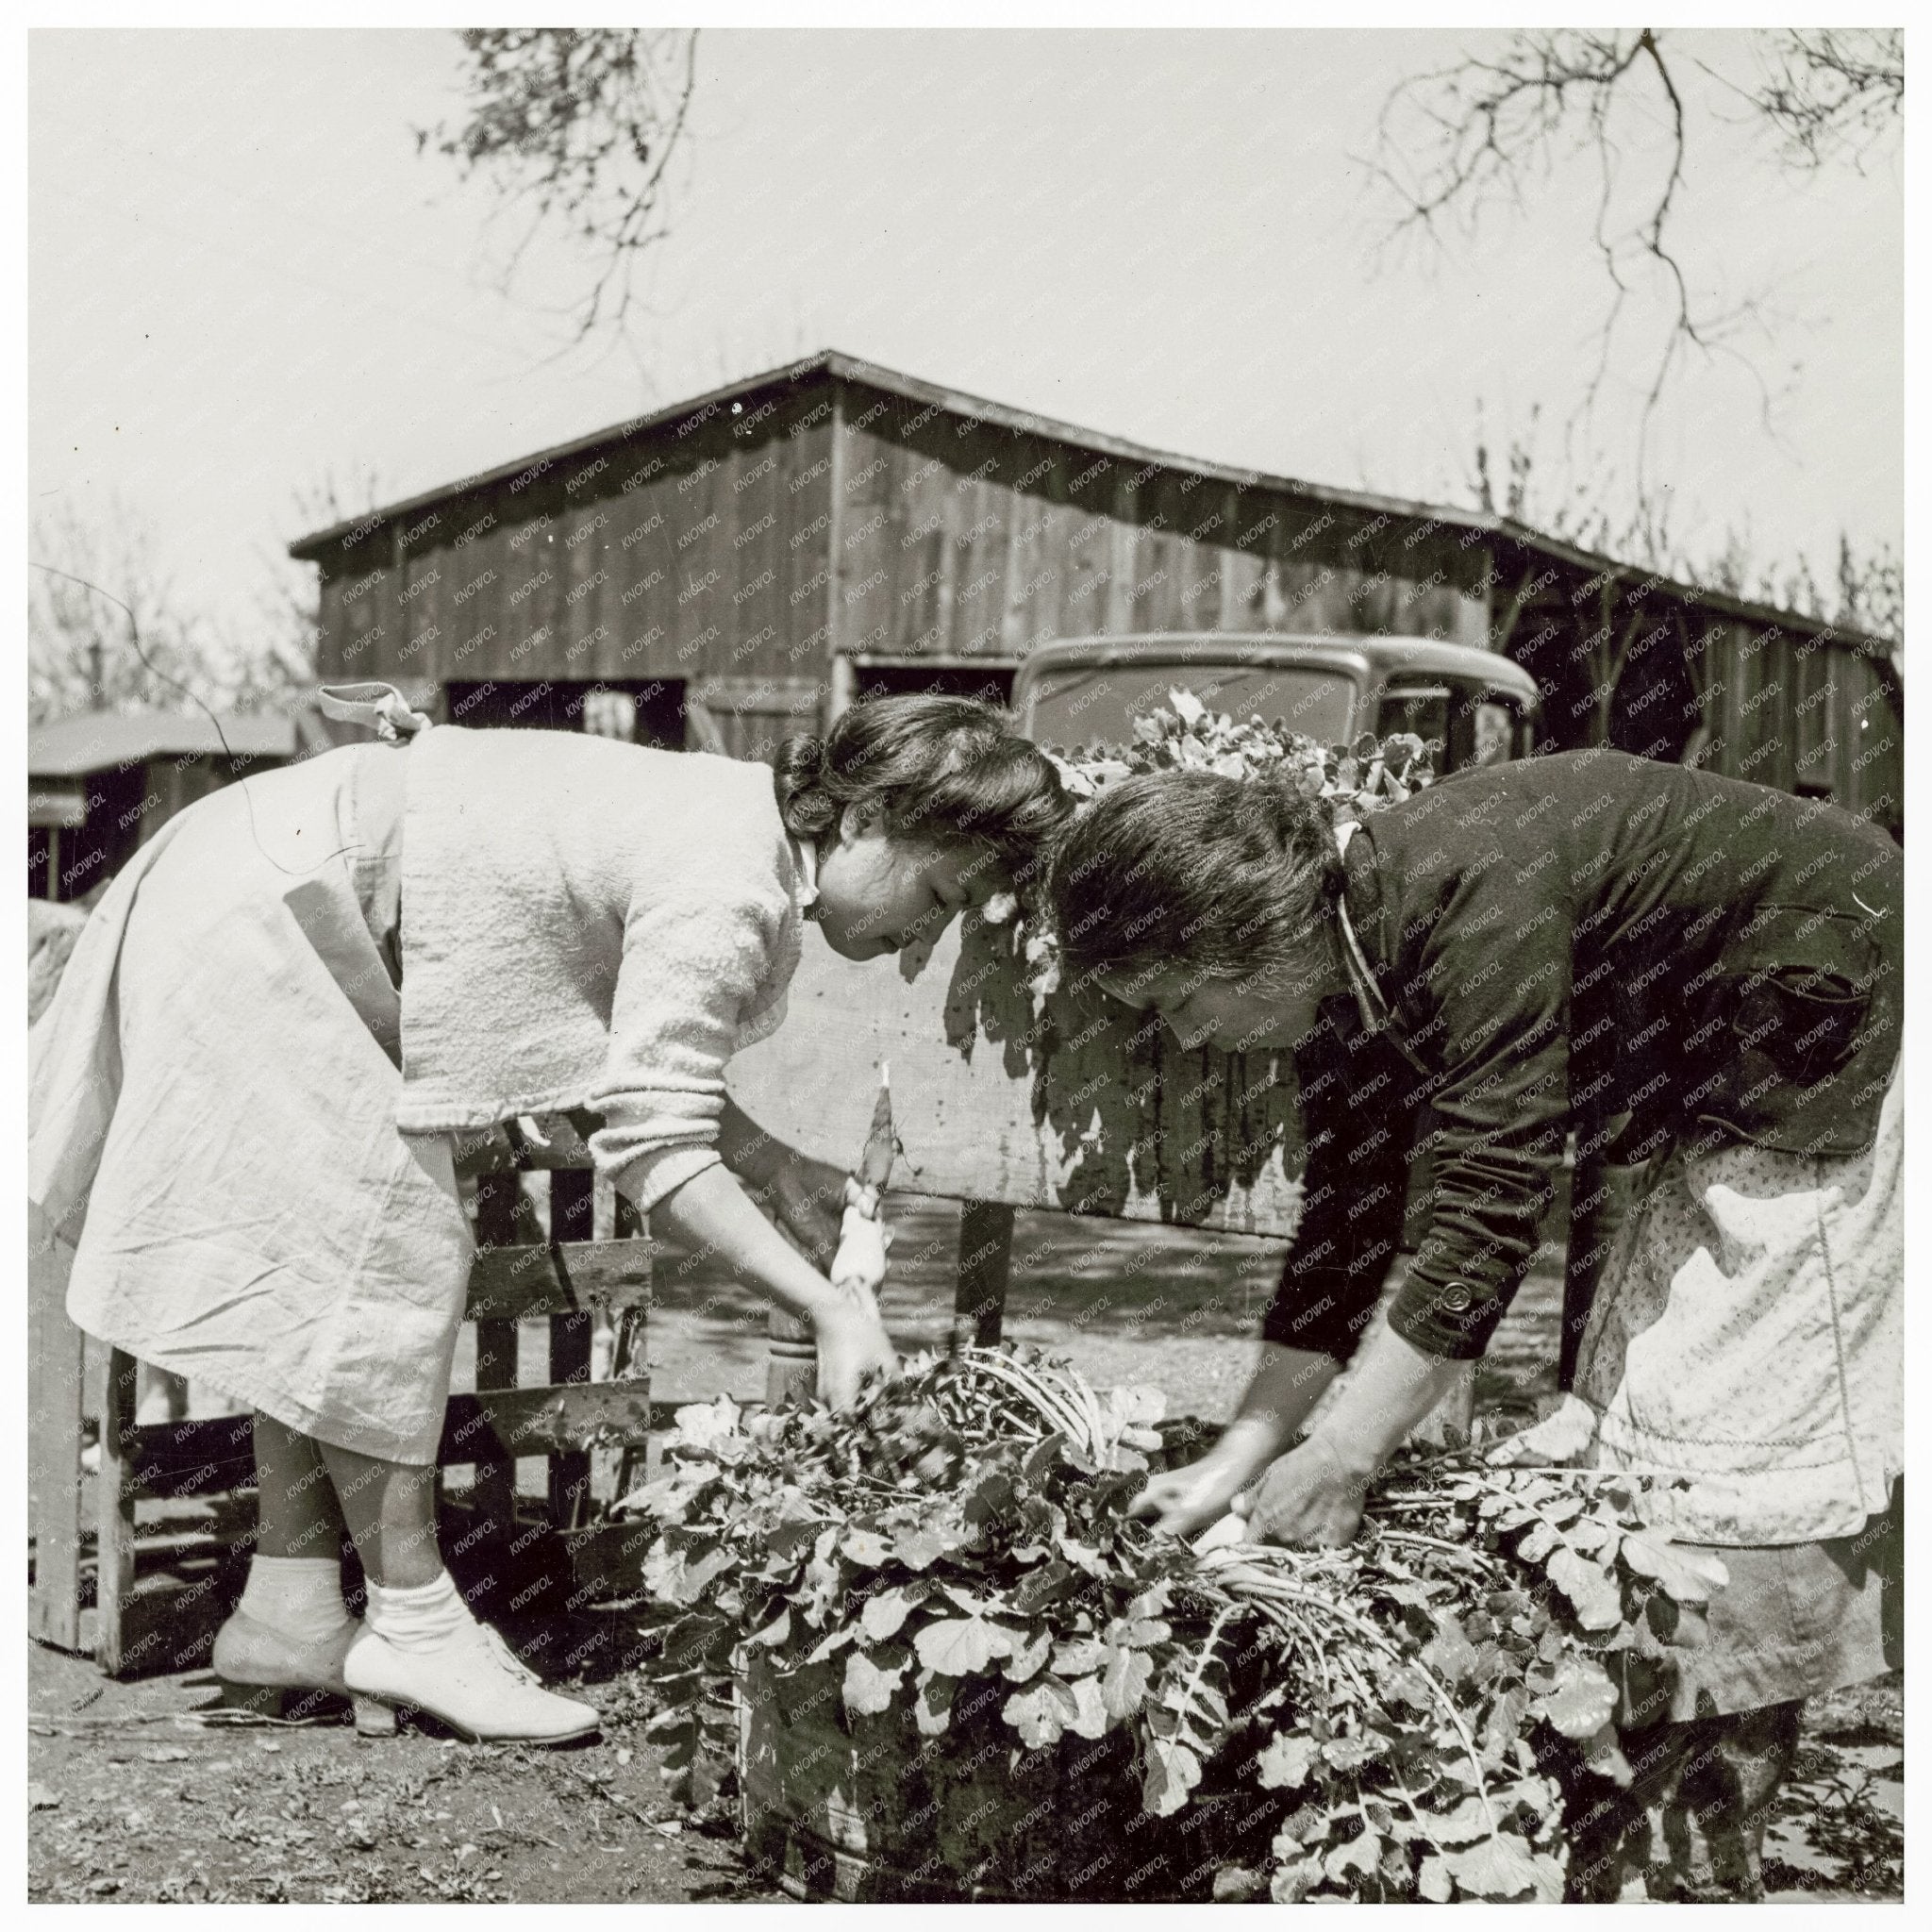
{"type": "Point", "coordinates": [213, 1117]}
{"type": "Point", "coordinates": [1748, 1338]}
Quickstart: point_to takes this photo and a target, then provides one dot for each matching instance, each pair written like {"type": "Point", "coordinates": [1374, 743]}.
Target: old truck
{"type": "Point", "coordinates": [1482, 708]}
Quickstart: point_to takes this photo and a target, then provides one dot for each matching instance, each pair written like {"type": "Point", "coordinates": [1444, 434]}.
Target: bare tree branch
{"type": "Point", "coordinates": [577, 125]}
{"type": "Point", "coordinates": [1833, 89]}
{"type": "Point", "coordinates": [1453, 143]}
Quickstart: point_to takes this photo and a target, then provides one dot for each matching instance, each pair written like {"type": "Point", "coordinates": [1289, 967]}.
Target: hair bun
{"type": "Point", "coordinates": [798, 772]}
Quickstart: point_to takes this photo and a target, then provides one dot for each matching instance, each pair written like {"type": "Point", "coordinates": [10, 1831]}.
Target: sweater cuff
{"type": "Point", "coordinates": [1452, 1318]}
{"type": "Point", "coordinates": [647, 1177]}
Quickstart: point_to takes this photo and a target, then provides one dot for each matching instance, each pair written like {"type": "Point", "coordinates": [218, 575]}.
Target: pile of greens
{"type": "Point", "coordinates": [1401, 1710]}
{"type": "Point", "coordinates": [1352, 781]}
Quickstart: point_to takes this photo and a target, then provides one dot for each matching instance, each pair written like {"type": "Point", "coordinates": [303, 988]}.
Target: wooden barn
{"type": "Point", "coordinates": [736, 567]}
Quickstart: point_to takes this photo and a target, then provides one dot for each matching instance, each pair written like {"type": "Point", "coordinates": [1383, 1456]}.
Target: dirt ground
{"type": "Point", "coordinates": [138, 1793]}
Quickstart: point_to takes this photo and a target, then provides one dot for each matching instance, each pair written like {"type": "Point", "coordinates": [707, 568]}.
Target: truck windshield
{"type": "Point", "coordinates": [1077, 708]}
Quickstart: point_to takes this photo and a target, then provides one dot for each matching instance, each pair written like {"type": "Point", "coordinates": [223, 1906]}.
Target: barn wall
{"type": "Point", "coordinates": [698, 552]}
{"type": "Point", "coordinates": [1803, 712]}
{"type": "Point", "coordinates": [732, 552]}
{"type": "Point", "coordinates": [963, 538]}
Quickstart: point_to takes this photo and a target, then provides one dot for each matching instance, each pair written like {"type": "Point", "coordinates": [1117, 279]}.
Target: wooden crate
{"type": "Point", "coordinates": [518, 1274]}
{"type": "Point", "coordinates": [196, 1467]}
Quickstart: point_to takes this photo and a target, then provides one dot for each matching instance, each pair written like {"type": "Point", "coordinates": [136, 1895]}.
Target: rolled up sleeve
{"type": "Point", "coordinates": [1495, 996]}
{"type": "Point", "coordinates": [692, 966]}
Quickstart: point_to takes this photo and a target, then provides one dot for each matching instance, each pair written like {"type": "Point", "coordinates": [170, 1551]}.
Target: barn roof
{"type": "Point", "coordinates": [95, 741]}
{"type": "Point", "coordinates": [829, 364]}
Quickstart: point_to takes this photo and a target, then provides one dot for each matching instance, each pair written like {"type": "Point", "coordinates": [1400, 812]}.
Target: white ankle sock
{"type": "Point", "coordinates": [300, 1597]}
{"type": "Point", "coordinates": [424, 1617]}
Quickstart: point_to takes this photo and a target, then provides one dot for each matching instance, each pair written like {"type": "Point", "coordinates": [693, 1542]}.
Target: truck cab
{"type": "Point", "coordinates": [1482, 709]}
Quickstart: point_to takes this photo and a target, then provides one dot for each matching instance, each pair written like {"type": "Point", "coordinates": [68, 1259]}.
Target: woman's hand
{"type": "Point", "coordinates": [852, 1342]}
{"type": "Point", "coordinates": [1183, 1500]}
{"type": "Point", "coordinates": [1312, 1495]}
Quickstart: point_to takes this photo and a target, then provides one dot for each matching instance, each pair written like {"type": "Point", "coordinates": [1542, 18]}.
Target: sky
{"type": "Point", "coordinates": [245, 284]}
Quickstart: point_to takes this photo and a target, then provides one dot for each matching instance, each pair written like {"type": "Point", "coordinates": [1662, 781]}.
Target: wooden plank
{"type": "Point", "coordinates": [535, 1420]}
{"type": "Point", "coordinates": [495, 1483]}
{"type": "Point", "coordinates": [835, 451]}
{"type": "Point", "coordinates": [986, 1263]}
{"type": "Point", "coordinates": [513, 1283]}
{"type": "Point", "coordinates": [1087, 560]}
{"type": "Point", "coordinates": [981, 539]}
{"type": "Point", "coordinates": [630, 1355]}
{"type": "Point", "coordinates": [202, 1456]}
{"type": "Point", "coordinates": [56, 1354]}
{"type": "Point", "coordinates": [572, 1201]}
{"type": "Point", "coordinates": [114, 1541]}
{"type": "Point", "coordinates": [991, 1106]}
{"type": "Point", "coordinates": [206, 1456]}
{"type": "Point", "coordinates": [1123, 561]}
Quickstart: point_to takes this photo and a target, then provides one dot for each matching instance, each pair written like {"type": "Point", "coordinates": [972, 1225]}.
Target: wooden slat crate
{"type": "Point", "coordinates": [517, 1274]}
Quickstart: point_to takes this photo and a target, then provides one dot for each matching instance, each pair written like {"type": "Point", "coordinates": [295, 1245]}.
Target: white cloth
{"type": "Point", "coordinates": [1748, 1339]}
{"type": "Point", "coordinates": [588, 923]}
{"type": "Point", "coordinates": [212, 1119]}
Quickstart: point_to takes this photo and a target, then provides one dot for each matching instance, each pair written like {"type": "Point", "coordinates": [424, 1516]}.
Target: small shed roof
{"type": "Point", "coordinates": [95, 741]}
{"type": "Point", "coordinates": [831, 363]}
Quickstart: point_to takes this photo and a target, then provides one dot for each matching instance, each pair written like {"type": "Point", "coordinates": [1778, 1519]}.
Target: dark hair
{"type": "Point", "coordinates": [1190, 869]}
{"type": "Point", "coordinates": [954, 772]}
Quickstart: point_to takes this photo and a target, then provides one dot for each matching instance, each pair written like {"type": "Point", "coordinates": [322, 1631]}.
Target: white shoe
{"type": "Point", "coordinates": [473, 1682]}
{"type": "Point", "coordinates": [263, 1669]}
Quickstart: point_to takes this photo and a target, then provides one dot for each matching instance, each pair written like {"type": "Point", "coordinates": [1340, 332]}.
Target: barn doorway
{"type": "Point", "coordinates": [860, 676]}
{"type": "Point", "coordinates": [639, 710]}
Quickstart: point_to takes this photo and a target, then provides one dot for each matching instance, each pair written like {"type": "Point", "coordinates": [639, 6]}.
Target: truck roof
{"type": "Point", "coordinates": [1430, 657]}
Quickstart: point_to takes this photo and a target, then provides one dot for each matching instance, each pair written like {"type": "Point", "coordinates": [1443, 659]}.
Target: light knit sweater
{"type": "Point", "coordinates": [588, 923]}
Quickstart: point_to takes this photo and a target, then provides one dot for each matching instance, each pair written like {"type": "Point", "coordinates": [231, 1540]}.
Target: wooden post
{"type": "Point", "coordinates": [496, 1488]}
{"type": "Point", "coordinates": [986, 1260]}
{"type": "Point", "coordinates": [630, 1358]}
{"type": "Point", "coordinates": [114, 1539]}
{"type": "Point", "coordinates": [572, 1202]}
{"type": "Point", "coordinates": [56, 1354]}
{"type": "Point", "coordinates": [791, 1364]}
{"type": "Point", "coordinates": [1599, 1197]}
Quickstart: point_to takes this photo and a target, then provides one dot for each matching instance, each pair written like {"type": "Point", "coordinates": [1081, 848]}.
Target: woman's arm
{"type": "Point", "coordinates": [712, 1216]}
{"type": "Point", "coordinates": [749, 1151]}
{"type": "Point", "coordinates": [1358, 1107]}
{"type": "Point", "coordinates": [1496, 988]}
{"type": "Point", "coordinates": [808, 1195]}
{"type": "Point", "coordinates": [1359, 1100]}
{"type": "Point", "coordinates": [1314, 1494]}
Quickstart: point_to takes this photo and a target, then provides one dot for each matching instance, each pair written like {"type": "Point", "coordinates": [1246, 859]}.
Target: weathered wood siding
{"type": "Point", "coordinates": [697, 552]}
{"type": "Point", "coordinates": [964, 539]}
{"type": "Point", "coordinates": [1798, 711]}
{"type": "Point", "coordinates": [1087, 1107]}
{"type": "Point", "coordinates": [734, 550]}
{"type": "Point", "coordinates": [1780, 707]}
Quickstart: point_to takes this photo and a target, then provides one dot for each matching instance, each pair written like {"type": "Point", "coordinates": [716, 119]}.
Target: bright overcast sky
{"type": "Point", "coordinates": [244, 279]}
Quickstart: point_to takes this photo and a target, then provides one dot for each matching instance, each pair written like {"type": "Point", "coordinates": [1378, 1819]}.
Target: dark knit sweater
{"type": "Point", "coordinates": [1584, 939]}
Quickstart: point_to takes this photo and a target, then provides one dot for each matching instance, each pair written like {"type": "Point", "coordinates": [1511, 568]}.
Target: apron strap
{"type": "Point", "coordinates": [381, 708]}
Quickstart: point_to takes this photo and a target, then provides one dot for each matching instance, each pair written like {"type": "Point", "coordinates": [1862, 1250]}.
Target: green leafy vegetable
{"type": "Point", "coordinates": [955, 1554]}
